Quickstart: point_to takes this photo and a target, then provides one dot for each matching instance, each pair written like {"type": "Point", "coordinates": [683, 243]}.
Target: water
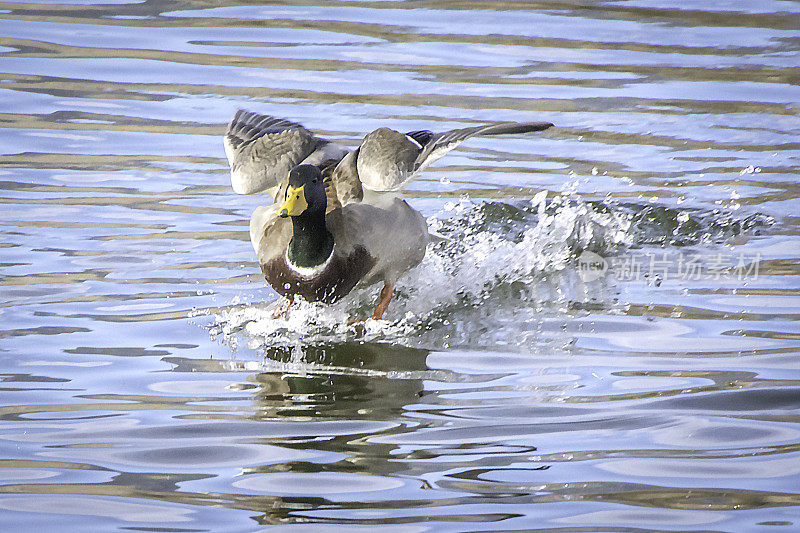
{"type": "Point", "coordinates": [605, 339]}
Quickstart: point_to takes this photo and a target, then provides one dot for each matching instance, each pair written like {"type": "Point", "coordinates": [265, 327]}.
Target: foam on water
{"type": "Point", "coordinates": [490, 259]}
{"type": "Point", "coordinates": [496, 273]}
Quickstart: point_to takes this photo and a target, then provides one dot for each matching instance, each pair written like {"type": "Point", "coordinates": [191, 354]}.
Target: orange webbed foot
{"type": "Point", "coordinates": [380, 308]}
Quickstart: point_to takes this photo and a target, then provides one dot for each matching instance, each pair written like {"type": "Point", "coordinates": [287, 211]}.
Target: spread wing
{"type": "Point", "coordinates": [388, 160]}
{"type": "Point", "coordinates": [262, 150]}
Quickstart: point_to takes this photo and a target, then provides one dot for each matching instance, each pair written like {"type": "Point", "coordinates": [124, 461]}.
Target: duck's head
{"type": "Point", "coordinates": [305, 193]}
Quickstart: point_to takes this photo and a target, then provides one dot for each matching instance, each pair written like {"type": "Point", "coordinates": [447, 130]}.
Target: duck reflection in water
{"type": "Point", "coordinates": [352, 380]}
{"type": "Point", "coordinates": [338, 219]}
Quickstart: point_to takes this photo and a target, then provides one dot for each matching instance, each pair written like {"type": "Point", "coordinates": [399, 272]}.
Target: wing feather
{"type": "Point", "coordinates": [441, 143]}
{"type": "Point", "coordinates": [343, 180]}
{"type": "Point", "coordinates": [389, 160]}
{"type": "Point", "coordinates": [262, 150]}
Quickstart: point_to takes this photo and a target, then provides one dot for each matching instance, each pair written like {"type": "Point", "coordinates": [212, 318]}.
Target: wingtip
{"type": "Point", "coordinates": [537, 126]}
{"type": "Point", "coordinates": [506, 128]}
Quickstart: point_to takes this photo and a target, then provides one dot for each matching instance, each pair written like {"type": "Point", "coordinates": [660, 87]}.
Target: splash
{"type": "Point", "coordinates": [660, 225]}
{"type": "Point", "coordinates": [498, 275]}
{"type": "Point", "coordinates": [494, 270]}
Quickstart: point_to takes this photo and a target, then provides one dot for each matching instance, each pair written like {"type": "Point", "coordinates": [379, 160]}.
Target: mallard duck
{"type": "Point", "coordinates": [338, 220]}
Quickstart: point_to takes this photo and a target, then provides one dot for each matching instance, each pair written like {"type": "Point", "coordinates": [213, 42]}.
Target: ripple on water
{"type": "Point", "coordinates": [119, 508]}
{"type": "Point", "coordinates": [705, 431]}
{"type": "Point", "coordinates": [746, 468]}
{"type": "Point", "coordinates": [330, 485]}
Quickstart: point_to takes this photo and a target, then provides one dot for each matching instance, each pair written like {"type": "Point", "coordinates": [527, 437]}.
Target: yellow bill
{"type": "Point", "coordinates": [295, 202]}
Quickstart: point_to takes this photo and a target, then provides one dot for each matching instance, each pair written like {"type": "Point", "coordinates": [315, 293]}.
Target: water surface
{"type": "Point", "coordinates": [606, 340]}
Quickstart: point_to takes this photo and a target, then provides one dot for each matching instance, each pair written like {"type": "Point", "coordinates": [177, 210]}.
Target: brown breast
{"type": "Point", "coordinates": [330, 285]}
